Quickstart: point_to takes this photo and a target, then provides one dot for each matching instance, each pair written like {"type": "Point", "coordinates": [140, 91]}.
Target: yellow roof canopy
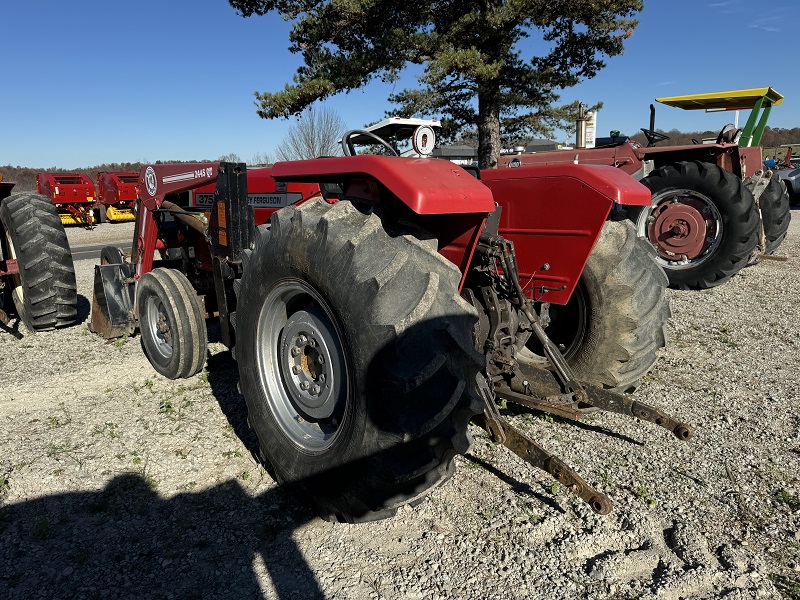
{"type": "Point", "coordinates": [732, 100]}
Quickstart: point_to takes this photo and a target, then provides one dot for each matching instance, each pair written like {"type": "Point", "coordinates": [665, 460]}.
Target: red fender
{"type": "Point", "coordinates": [554, 215]}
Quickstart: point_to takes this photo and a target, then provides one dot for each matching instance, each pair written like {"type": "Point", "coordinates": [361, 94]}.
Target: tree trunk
{"type": "Point", "coordinates": [488, 128]}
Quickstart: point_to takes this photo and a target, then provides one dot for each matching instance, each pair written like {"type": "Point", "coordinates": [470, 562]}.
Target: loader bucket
{"type": "Point", "coordinates": [112, 304]}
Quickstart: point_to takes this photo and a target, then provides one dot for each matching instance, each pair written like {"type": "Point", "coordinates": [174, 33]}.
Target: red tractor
{"type": "Point", "coordinates": [37, 275]}
{"type": "Point", "coordinates": [389, 304]}
{"type": "Point", "coordinates": [714, 208]}
{"type": "Point", "coordinates": [73, 195]}
{"type": "Point", "coordinates": [116, 196]}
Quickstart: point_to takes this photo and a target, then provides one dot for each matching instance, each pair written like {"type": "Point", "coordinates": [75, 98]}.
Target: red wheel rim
{"type": "Point", "coordinates": [681, 229]}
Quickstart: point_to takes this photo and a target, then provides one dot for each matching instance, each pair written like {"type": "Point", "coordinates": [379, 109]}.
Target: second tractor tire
{"type": "Point", "coordinates": [614, 324]}
{"type": "Point", "coordinates": [703, 223]}
{"type": "Point", "coordinates": [775, 214]}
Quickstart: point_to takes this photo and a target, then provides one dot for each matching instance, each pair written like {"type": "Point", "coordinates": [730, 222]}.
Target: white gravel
{"type": "Point", "coordinates": [118, 483]}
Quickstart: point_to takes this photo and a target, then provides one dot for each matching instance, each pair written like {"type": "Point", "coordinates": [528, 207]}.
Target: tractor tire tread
{"type": "Point", "coordinates": [410, 308]}
{"type": "Point", "coordinates": [47, 272]}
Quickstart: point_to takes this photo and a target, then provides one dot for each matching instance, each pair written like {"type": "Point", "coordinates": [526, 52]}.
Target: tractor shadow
{"type": "Point", "coordinates": [84, 307]}
{"type": "Point", "coordinates": [521, 488]}
{"type": "Point", "coordinates": [125, 541]}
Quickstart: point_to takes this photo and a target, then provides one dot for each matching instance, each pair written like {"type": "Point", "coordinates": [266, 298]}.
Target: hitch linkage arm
{"type": "Point", "coordinates": [528, 450]}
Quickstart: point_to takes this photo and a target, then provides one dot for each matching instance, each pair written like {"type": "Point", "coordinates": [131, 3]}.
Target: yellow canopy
{"type": "Point", "coordinates": [732, 100]}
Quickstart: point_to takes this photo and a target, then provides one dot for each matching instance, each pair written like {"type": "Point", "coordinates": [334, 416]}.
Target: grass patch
{"type": "Point", "coordinates": [787, 498]}
{"type": "Point", "coordinates": [789, 587]}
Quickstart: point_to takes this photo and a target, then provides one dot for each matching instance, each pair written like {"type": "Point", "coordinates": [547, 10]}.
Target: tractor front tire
{"type": "Point", "coordinates": [702, 222]}
{"type": "Point", "coordinates": [172, 324]}
{"type": "Point", "coordinates": [611, 329]}
{"type": "Point", "coordinates": [775, 214]}
{"type": "Point", "coordinates": [111, 255]}
{"type": "Point", "coordinates": [44, 292]}
{"type": "Point", "coordinates": [355, 359]}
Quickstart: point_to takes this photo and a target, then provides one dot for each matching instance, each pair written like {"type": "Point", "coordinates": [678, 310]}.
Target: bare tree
{"type": "Point", "coordinates": [260, 158]}
{"type": "Point", "coordinates": [316, 133]}
{"type": "Point", "coordinates": [231, 157]}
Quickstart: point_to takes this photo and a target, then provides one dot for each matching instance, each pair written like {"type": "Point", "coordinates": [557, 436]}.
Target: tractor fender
{"type": "Point", "coordinates": [554, 215]}
{"type": "Point", "coordinates": [445, 200]}
{"type": "Point", "coordinates": [426, 186]}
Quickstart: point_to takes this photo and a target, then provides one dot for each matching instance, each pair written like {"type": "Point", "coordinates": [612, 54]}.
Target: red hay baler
{"type": "Point", "coordinates": [116, 195]}
{"type": "Point", "coordinates": [73, 195]}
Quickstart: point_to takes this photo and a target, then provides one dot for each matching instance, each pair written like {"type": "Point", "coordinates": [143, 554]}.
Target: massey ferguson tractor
{"type": "Point", "coordinates": [714, 208]}
{"type": "Point", "coordinates": [37, 275]}
{"type": "Point", "coordinates": [388, 303]}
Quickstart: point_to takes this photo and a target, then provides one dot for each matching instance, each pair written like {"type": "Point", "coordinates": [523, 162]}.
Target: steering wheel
{"type": "Point", "coordinates": [728, 134]}
{"type": "Point", "coordinates": [653, 137]}
{"type": "Point", "coordinates": [349, 149]}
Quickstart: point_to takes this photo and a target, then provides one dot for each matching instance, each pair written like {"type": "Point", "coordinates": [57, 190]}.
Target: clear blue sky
{"type": "Point", "coordinates": [89, 82]}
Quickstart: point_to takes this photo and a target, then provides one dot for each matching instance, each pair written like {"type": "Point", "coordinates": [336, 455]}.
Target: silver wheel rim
{"type": "Point", "coordinates": [302, 366]}
{"type": "Point", "coordinates": [159, 327]}
{"type": "Point", "coordinates": [710, 214]}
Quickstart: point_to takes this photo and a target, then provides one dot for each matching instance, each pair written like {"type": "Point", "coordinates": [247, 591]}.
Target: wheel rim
{"type": "Point", "coordinates": [17, 292]}
{"type": "Point", "coordinates": [302, 365]}
{"type": "Point", "coordinates": [567, 329]}
{"type": "Point", "coordinates": [684, 226]}
{"type": "Point", "coordinates": [159, 328]}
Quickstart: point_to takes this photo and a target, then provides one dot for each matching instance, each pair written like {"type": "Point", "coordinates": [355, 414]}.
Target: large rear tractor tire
{"type": "Point", "coordinates": [355, 359]}
{"type": "Point", "coordinates": [172, 324]}
{"type": "Point", "coordinates": [775, 214]}
{"type": "Point", "coordinates": [611, 329]}
{"type": "Point", "coordinates": [44, 292]}
{"type": "Point", "coordinates": [703, 223]}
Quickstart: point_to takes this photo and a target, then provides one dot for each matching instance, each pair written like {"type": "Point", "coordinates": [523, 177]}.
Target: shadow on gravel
{"type": "Point", "coordinates": [127, 542]}
{"type": "Point", "coordinates": [12, 329]}
{"type": "Point", "coordinates": [518, 486]}
{"type": "Point", "coordinates": [84, 307]}
{"type": "Point", "coordinates": [223, 377]}
{"type": "Point", "coordinates": [601, 430]}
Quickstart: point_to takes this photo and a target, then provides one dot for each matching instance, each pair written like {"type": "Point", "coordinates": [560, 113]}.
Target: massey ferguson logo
{"type": "Point", "coordinates": [150, 181]}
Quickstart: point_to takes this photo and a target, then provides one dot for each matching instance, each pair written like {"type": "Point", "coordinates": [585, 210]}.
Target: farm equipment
{"type": "Point", "coordinates": [714, 208]}
{"type": "Point", "coordinates": [116, 196]}
{"type": "Point", "coordinates": [73, 195]}
{"type": "Point", "coordinates": [37, 275]}
{"type": "Point", "coordinates": [788, 171]}
{"type": "Point", "coordinates": [383, 310]}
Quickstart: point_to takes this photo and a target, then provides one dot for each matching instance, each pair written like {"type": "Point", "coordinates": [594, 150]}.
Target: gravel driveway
{"type": "Point", "coordinates": [118, 483]}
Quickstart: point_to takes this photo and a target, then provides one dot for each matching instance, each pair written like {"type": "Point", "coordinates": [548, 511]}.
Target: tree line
{"type": "Point", "coordinates": [25, 177]}
{"type": "Point", "coordinates": [772, 138]}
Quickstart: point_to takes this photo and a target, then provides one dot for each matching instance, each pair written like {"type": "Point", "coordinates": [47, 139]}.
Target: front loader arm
{"type": "Point", "coordinates": [155, 183]}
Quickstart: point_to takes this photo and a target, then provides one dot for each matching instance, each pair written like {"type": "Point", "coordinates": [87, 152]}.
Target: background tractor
{"type": "Point", "coordinates": [714, 208]}
{"type": "Point", "coordinates": [387, 307]}
{"type": "Point", "coordinates": [788, 171]}
{"type": "Point", "coordinates": [37, 275]}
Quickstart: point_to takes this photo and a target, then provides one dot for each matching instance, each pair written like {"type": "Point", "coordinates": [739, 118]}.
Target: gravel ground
{"type": "Point", "coordinates": [118, 483]}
